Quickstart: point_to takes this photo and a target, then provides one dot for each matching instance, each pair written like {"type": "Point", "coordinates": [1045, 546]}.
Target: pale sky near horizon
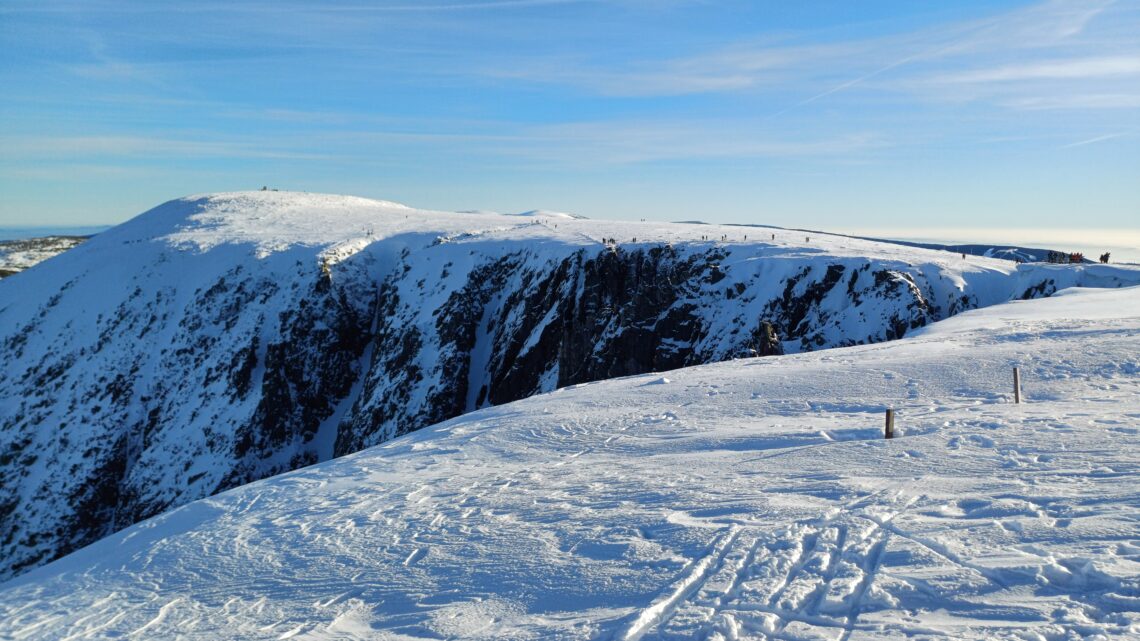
{"type": "Point", "coordinates": [868, 116]}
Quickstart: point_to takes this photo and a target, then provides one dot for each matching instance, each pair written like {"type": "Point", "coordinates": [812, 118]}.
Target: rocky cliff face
{"type": "Point", "coordinates": [525, 323]}
{"type": "Point", "coordinates": [219, 340]}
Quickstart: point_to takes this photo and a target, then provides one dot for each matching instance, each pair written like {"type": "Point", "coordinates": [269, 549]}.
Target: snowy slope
{"type": "Point", "coordinates": [751, 499]}
{"type": "Point", "coordinates": [216, 340]}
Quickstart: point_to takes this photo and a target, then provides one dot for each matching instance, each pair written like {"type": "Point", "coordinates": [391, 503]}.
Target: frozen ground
{"type": "Point", "coordinates": [752, 499]}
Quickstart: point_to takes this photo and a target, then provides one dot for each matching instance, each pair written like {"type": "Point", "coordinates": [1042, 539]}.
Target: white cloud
{"type": "Point", "coordinates": [75, 147]}
{"type": "Point", "coordinates": [1077, 101]}
{"type": "Point", "coordinates": [1050, 69]}
{"type": "Point", "coordinates": [634, 142]}
{"type": "Point", "coordinates": [1090, 141]}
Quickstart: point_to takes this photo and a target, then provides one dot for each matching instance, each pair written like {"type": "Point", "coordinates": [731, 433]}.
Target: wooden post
{"type": "Point", "coordinates": [889, 432]}
{"type": "Point", "coordinates": [1016, 385]}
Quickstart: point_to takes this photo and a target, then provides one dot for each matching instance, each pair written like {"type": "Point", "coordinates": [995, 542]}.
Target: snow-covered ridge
{"type": "Point", "coordinates": [220, 339]}
{"type": "Point", "coordinates": [751, 499]}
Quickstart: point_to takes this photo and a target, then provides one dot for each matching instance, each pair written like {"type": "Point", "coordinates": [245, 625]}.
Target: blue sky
{"type": "Point", "coordinates": [902, 115]}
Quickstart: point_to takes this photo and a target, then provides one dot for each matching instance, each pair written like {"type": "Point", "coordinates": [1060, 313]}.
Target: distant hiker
{"type": "Point", "coordinates": [807, 239]}
{"type": "Point", "coordinates": [963, 255]}
{"type": "Point", "coordinates": [1104, 257]}
{"type": "Point", "coordinates": [773, 236]}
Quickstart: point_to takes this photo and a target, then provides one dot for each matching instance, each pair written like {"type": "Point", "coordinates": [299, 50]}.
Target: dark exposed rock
{"type": "Point", "coordinates": [1040, 290]}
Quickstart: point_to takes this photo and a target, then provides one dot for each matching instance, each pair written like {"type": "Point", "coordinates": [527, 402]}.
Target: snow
{"type": "Point", "coordinates": [751, 499]}
{"type": "Point", "coordinates": [18, 255]}
{"type": "Point", "coordinates": [545, 213]}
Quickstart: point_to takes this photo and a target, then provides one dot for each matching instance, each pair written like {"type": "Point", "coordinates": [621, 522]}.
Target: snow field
{"type": "Point", "coordinates": [752, 499]}
{"type": "Point", "coordinates": [18, 255]}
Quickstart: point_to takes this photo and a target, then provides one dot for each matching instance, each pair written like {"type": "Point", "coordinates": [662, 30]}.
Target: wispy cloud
{"type": "Point", "coordinates": [1076, 101]}
{"type": "Point", "coordinates": [637, 142]}
{"type": "Point", "coordinates": [1050, 41]}
{"type": "Point", "coordinates": [79, 147]}
{"type": "Point", "coordinates": [425, 7]}
{"type": "Point", "coordinates": [1091, 141]}
{"type": "Point", "coordinates": [230, 7]}
{"type": "Point", "coordinates": [733, 69]}
{"type": "Point", "coordinates": [1076, 68]}
{"type": "Point", "coordinates": [578, 145]}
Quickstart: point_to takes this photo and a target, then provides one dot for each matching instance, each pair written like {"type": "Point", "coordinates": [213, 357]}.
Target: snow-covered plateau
{"type": "Point", "coordinates": [750, 499]}
{"type": "Point", "coordinates": [18, 255]}
{"type": "Point", "coordinates": [217, 340]}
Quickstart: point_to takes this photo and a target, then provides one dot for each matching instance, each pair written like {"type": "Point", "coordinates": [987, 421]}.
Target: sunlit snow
{"type": "Point", "coordinates": [752, 499]}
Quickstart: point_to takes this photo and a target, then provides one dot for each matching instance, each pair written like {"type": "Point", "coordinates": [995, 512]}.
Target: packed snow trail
{"type": "Point", "coordinates": [753, 499]}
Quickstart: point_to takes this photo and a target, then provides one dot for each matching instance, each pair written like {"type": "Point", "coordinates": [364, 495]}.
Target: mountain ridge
{"type": "Point", "coordinates": [219, 339]}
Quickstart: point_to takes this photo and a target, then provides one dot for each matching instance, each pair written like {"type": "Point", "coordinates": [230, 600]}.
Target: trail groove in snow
{"type": "Point", "coordinates": [664, 606]}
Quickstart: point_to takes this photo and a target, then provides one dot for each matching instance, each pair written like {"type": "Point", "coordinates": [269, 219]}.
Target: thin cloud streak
{"type": "Point", "coordinates": [1095, 140]}
{"type": "Point", "coordinates": [1083, 101]}
{"type": "Point", "coordinates": [76, 147]}
{"type": "Point", "coordinates": [568, 145]}
{"type": "Point", "coordinates": [1049, 70]}
{"type": "Point", "coordinates": [621, 143]}
{"type": "Point", "coordinates": [40, 7]}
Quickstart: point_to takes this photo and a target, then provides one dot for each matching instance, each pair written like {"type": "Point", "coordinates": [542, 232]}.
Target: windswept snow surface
{"type": "Point", "coordinates": [751, 499]}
